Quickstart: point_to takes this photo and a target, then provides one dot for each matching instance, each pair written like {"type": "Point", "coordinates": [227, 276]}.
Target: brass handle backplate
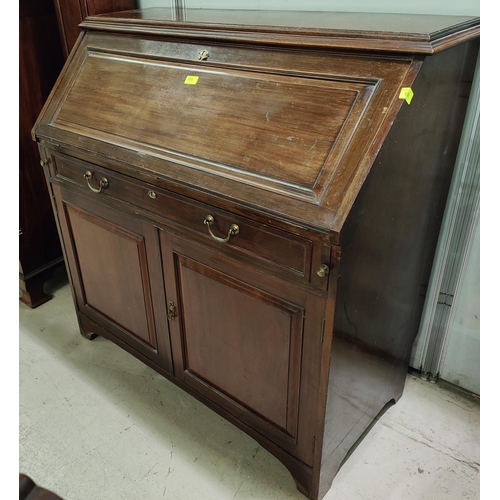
{"type": "Point", "coordinates": [103, 183]}
{"type": "Point", "coordinates": [172, 313]}
{"type": "Point", "coordinates": [233, 230]}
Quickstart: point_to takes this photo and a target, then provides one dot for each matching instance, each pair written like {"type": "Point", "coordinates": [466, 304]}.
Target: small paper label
{"type": "Point", "coordinates": [406, 94]}
{"type": "Point", "coordinates": [191, 80]}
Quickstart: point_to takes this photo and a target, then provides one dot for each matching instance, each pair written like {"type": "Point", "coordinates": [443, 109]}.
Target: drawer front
{"type": "Point", "coordinates": [287, 252]}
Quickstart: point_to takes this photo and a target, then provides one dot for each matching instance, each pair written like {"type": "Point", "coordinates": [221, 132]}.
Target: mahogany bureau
{"type": "Point", "coordinates": [249, 203]}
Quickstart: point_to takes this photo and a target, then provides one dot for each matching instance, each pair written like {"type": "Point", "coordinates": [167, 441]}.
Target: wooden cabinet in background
{"type": "Point", "coordinates": [248, 204]}
{"type": "Point", "coordinates": [43, 26]}
{"type": "Point", "coordinates": [70, 13]}
{"type": "Point", "coordinates": [39, 66]}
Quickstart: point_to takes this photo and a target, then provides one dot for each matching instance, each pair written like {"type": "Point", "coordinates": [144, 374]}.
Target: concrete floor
{"type": "Point", "coordinates": [95, 423]}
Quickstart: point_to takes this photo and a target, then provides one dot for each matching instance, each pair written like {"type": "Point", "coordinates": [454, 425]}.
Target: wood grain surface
{"type": "Point", "coordinates": [298, 329]}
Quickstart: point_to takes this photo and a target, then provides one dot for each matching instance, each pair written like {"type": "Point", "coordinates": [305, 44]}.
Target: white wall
{"type": "Point", "coordinates": [456, 7]}
{"type": "Point", "coordinates": [461, 362]}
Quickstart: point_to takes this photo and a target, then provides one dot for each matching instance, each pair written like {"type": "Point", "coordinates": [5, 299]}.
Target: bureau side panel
{"type": "Point", "coordinates": [388, 245]}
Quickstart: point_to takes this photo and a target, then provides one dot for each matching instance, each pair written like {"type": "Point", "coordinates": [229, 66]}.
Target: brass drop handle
{"type": "Point", "coordinates": [233, 230]}
{"type": "Point", "coordinates": [103, 183]}
{"type": "Point", "coordinates": [322, 270]}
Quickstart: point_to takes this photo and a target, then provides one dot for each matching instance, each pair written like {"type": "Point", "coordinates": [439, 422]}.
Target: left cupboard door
{"type": "Point", "coordinates": [115, 269]}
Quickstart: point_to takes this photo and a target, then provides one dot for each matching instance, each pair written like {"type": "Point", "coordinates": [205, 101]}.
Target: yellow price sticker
{"type": "Point", "coordinates": [191, 80]}
{"type": "Point", "coordinates": [406, 94]}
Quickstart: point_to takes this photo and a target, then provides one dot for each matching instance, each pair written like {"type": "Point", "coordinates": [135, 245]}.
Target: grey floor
{"type": "Point", "coordinates": [95, 423]}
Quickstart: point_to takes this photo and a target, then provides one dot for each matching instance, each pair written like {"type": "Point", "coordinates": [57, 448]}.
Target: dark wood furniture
{"type": "Point", "coordinates": [28, 490]}
{"type": "Point", "coordinates": [39, 65]}
{"type": "Point", "coordinates": [248, 204]}
{"type": "Point", "coordinates": [70, 13]}
{"type": "Point", "coordinates": [43, 26]}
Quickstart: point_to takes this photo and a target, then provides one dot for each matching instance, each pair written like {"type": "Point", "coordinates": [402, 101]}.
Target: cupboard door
{"type": "Point", "coordinates": [116, 269]}
{"type": "Point", "coordinates": [239, 340]}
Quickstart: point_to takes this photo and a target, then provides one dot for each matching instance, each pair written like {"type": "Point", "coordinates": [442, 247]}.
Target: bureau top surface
{"type": "Point", "coordinates": [368, 31]}
{"type": "Point", "coordinates": [289, 132]}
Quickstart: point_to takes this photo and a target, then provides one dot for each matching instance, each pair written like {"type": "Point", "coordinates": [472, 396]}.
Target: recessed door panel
{"type": "Point", "coordinates": [240, 341]}
{"type": "Point", "coordinates": [240, 337]}
{"type": "Point", "coordinates": [116, 268]}
{"type": "Point", "coordinates": [114, 272]}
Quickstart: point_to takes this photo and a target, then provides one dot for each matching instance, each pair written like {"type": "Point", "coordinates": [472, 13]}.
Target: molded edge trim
{"type": "Point", "coordinates": [363, 41]}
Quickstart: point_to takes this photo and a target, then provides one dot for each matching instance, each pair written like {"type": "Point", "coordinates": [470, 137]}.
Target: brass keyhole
{"type": "Point", "coordinates": [172, 313]}
{"type": "Point", "coordinates": [203, 55]}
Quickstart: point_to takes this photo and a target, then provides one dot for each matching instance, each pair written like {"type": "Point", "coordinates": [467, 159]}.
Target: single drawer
{"type": "Point", "coordinates": [289, 252]}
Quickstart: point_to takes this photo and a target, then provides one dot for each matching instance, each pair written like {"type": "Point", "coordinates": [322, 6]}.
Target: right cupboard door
{"type": "Point", "coordinates": [247, 341]}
